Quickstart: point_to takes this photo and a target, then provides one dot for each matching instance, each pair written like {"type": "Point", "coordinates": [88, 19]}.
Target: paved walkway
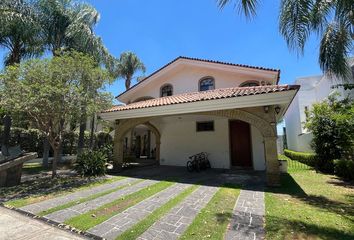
{"type": "Point", "coordinates": [15, 226]}
{"type": "Point", "coordinates": [175, 222]}
{"type": "Point", "coordinates": [118, 224]}
{"type": "Point", "coordinates": [47, 204]}
{"type": "Point", "coordinates": [62, 215]}
{"type": "Point", "coordinates": [248, 217]}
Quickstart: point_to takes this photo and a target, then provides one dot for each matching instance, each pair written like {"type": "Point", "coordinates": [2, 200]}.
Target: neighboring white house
{"type": "Point", "coordinates": [193, 105]}
{"type": "Point", "coordinates": [313, 89]}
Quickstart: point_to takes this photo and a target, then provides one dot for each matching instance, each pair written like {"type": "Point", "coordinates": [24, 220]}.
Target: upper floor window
{"type": "Point", "coordinates": [206, 83]}
{"type": "Point", "coordinates": [166, 90]}
{"type": "Point", "coordinates": [250, 84]}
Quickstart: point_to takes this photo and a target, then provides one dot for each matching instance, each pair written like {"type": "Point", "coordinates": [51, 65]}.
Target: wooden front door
{"type": "Point", "coordinates": [240, 144]}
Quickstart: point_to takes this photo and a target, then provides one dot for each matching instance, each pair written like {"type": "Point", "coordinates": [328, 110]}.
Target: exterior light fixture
{"type": "Point", "coordinates": [277, 109]}
{"type": "Point", "coordinates": [266, 109]}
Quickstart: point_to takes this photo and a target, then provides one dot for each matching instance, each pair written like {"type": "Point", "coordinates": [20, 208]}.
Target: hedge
{"type": "Point", "coordinates": [303, 157]}
{"type": "Point", "coordinates": [283, 157]}
{"type": "Point", "coordinates": [31, 140]}
{"type": "Point", "coordinates": [344, 169]}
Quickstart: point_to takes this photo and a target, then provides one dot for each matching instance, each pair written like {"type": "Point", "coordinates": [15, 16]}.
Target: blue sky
{"type": "Point", "coordinates": [160, 30]}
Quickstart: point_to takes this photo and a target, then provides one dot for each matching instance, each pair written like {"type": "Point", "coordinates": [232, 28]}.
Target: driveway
{"type": "Point", "coordinates": [15, 226]}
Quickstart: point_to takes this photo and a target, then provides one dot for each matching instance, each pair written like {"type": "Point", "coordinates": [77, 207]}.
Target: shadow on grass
{"type": "Point", "coordinates": [223, 217]}
{"type": "Point", "coordinates": [303, 230]}
{"type": "Point", "coordinates": [290, 187]}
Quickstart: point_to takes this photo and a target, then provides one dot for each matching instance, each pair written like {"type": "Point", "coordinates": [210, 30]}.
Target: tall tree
{"type": "Point", "coordinates": [332, 21]}
{"type": "Point", "coordinates": [52, 89]}
{"type": "Point", "coordinates": [127, 65]}
{"type": "Point", "coordinates": [19, 31]}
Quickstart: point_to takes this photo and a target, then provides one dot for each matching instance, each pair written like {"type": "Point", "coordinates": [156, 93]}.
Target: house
{"type": "Point", "coordinates": [194, 105]}
{"type": "Point", "coordinates": [313, 89]}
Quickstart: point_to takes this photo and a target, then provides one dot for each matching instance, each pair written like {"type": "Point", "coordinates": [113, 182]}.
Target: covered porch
{"type": "Point", "coordinates": [170, 131]}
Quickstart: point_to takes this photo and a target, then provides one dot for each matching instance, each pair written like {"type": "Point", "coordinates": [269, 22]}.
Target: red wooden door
{"type": "Point", "coordinates": [240, 146]}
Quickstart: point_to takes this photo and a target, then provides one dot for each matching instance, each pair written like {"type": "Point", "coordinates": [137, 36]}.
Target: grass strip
{"type": "Point", "coordinates": [94, 217]}
{"type": "Point", "coordinates": [139, 228]}
{"type": "Point", "coordinates": [86, 199]}
{"type": "Point", "coordinates": [21, 202]}
{"type": "Point", "coordinates": [212, 221]}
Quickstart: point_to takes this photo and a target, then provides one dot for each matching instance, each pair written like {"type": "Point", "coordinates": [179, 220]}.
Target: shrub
{"type": "Point", "coordinates": [91, 163]}
{"type": "Point", "coordinates": [303, 157]}
{"type": "Point", "coordinates": [344, 168]}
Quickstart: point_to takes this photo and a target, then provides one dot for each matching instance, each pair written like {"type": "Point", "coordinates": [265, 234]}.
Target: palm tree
{"type": "Point", "coordinates": [19, 32]}
{"type": "Point", "coordinates": [332, 21]}
{"type": "Point", "coordinates": [127, 65]}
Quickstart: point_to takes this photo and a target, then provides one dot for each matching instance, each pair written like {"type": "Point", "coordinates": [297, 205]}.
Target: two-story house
{"type": "Point", "coordinates": [193, 105]}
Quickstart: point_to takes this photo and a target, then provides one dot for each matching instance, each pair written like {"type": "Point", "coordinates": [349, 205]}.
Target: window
{"type": "Point", "coordinates": [205, 126]}
{"type": "Point", "coordinates": [206, 84]}
{"type": "Point", "coordinates": [307, 113]}
{"type": "Point", "coordinates": [250, 84]}
{"type": "Point", "coordinates": [166, 90]}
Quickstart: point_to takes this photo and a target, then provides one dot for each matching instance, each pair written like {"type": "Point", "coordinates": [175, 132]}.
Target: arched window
{"type": "Point", "coordinates": [249, 84]}
{"type": "Point", "coordinates": [206, 84]}
{"type": "Point", "coordinates": [166, 90]}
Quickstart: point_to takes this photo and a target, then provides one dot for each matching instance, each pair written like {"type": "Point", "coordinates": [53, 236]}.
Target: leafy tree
{"type": "Point", "coordinates": [332, 125]}
{"type": "Point", "coordinates": [332, 21]}
{"type": "Point", "coordinates": [127, 65]}
{"type": "Point", "coordinates": [51, 92]}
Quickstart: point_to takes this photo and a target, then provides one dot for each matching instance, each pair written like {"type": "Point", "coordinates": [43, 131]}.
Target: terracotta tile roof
{"type": "Point", "coordinates": [203, 60]}
{"type": "Point", "coordinates": [204, 96]}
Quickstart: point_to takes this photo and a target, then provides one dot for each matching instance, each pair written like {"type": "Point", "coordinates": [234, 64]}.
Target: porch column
{"type": "Point", "coordinates": [157, 153]}
{"type": "Point", "coordinates": [117, 148]}
{"type": "Point", "coordinates": [271, 156]}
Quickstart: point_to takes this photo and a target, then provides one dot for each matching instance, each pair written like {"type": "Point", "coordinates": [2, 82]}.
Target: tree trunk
{"type": "Point", "coordinates": [128, 82]}
{"type": "Point", "coordinates": [81, 140]}
{"type": "Point", "coordinates": [46, 148]}
{"type": "Point", "coordinates": [7, 134]}
{"type": "Point", "coordinates": [55, 161]}
{"type": "Point", "coordinates": [92, 131]}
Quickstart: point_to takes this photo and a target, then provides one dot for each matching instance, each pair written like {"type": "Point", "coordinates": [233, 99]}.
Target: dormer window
{"type": "Point", "coordinates": [250, 84]}
{"type": "Point", "coordinates": [166, 90]}
{"type": "Point", "coordinates": [206, 84]}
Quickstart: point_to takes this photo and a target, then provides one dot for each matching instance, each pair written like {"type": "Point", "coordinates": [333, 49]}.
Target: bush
{"type": "Point", "coordinates": [91, 163]}
{"type": "Point", "coordinates": [303, 157]}
{"type": "Point", "coordinates": [344, 168]}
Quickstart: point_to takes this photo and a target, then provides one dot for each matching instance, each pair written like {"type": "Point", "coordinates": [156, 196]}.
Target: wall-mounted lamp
{"type": "Point", "coordinates": [266, 109]}
{"type": "Point", "coordinates": [277, 109]}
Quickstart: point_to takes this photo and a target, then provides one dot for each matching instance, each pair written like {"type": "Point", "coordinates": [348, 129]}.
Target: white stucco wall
{"type": "Point", "coordinates": [179, 140]}
{"type": "Point", "coordinates": [186, 79]}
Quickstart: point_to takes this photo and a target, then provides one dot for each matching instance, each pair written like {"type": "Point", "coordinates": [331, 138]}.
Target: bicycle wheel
{"type": "Point", "coordinates": [190, 166]}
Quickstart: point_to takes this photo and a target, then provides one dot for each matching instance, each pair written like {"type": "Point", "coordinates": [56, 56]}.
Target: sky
{"type": "Point", "coordinates": [158, 31]}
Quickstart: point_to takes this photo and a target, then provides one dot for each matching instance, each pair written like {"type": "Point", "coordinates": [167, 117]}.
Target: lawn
{"type": "Point", "coordinates": [212, 220]}
{"type": "Point", "coordinates": [310, 205]}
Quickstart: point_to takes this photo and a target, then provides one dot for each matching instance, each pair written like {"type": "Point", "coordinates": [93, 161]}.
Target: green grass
{"type": "Point", "coordinates": [47, 188]}
{"type": "Point", "coordinates": [86, 199]}
{"type": "Point", "coordinates": [101, 214]}
{"type": "Point", "coordinates": [212, 221]}
{"type": "Point", "coordinates": [144, 224]}
{"type": "Point", "coordinates": [33, 168]}
{"type": "Point", "coordinates": [310, 205]}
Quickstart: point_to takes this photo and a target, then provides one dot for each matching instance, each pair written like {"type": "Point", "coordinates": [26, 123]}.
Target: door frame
{"type": "Point", "coordinates": [251, 146]}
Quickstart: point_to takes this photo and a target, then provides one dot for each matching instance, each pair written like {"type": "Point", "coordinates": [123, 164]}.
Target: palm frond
{"type": "Point", "coordinates": [335, 46]}
{"type": "Point", "coordinates": [295, 23]}
{"type": "Point", "coordinates": [246, 7]}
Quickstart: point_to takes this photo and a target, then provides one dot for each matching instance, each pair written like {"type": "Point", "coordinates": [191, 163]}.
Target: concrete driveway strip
{"type": "Point", "coordinates": [63, 215]}
{"type": "Point", "coordinates": [47, 204]}
{"type": "Point", "coordinates": [15, 226]}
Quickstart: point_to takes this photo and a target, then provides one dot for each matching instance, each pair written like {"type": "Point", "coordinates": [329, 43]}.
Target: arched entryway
{"type": "Point", "coordinates": [136, 138]}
